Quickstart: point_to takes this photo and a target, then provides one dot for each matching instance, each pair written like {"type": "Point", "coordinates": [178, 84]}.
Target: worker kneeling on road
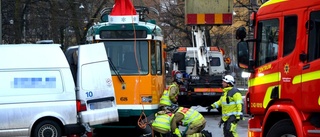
{"type": "Point", "coordinates": [170, 95]}
{"type": "Point", "coordinates": [161, 124]}
{"type": "Point", "coordinates": [192, 120]}
{"type": "Point", "coordinates": [231, 104]}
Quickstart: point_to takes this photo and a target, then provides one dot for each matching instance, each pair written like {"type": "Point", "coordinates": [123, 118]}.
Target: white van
{"type": "Point", "coordinates": [40, 96]}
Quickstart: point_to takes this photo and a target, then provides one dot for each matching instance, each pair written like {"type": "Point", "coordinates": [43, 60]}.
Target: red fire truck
{"type": "Point", "coordinates": [284, 62]}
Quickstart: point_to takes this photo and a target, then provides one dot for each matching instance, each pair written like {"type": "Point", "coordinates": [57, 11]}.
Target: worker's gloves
{"type": "Point", "coordinates": [209, 107]}
{"type": "Point", "coordinates": [241, 117]}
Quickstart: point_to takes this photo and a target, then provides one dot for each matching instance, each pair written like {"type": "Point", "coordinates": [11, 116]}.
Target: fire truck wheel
{"type": "Point", "coordinates": [283, 128]}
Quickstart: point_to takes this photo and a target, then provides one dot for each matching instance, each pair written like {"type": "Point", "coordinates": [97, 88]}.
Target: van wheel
{"type": "Point", "coordinates": [283, 128]}
{"type": "Point", "coordinates": [47, 128]}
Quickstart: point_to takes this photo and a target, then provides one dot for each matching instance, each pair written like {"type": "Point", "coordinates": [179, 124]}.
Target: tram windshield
{"type": "Point", "coordinates": [129, 57]}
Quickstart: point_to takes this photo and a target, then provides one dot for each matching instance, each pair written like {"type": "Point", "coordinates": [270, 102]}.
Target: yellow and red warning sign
{"type": "Point", "coordinates": [219, 18]}
{"type": "Point", "coordinates": [208, 12]}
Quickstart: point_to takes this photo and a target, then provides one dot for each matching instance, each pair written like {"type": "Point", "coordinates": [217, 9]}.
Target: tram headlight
{"type": "Point", "coordinates": [146, 99]}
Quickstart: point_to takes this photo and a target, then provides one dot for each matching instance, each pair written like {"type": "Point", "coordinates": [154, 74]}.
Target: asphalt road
{"type": "Point", "coordinates": [213, 118]}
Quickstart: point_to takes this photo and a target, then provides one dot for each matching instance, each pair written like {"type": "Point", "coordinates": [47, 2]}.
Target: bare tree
{"type": "Point", "coordinates": [66, 22]}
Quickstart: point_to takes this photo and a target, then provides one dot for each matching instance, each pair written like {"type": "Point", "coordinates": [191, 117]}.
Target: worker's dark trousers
{"type": "Point", "coordinates": [229, 127]}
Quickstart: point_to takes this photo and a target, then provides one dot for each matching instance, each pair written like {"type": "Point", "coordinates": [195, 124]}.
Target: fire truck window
{"type": "Point", "coordinates": [314, 37]}
{"type": "Point", "coordinates": [267, 45]}
{"type": "Point", "coordinates": [290, 34]}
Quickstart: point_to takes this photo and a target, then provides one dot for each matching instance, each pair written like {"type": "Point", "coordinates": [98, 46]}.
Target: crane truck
{"type": "Point", "coordinates": [203, 65]}
{"type": "Point", "coordinates": [202, 84]}
{"type": "Point", "coordinates": [283, 62]}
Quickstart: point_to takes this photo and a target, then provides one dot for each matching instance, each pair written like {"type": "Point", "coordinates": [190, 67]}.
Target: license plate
{"type": "Point", "coordinates": [100, 105]}
{"type": "Point", "coordinates": [209, 93]}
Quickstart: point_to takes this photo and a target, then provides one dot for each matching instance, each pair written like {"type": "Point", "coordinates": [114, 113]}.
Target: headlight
{"type": "Point", "coordinates": [195, 77]}
{"type": "Point", "coordinates": [245, 74]}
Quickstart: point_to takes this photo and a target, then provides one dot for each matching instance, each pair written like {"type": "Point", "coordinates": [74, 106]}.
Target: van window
{"type": "Point", "coordinates": [30, 82]}
{"type": "Point", "coordinates": [215, 61]}
{"type": "Point", "coordinates": [290, 34]}
{"type": "Point", "coordinates": [190, 61]}
{"type": "Point", "coordinates": [314, 37]}
{"type": "Point", "coordinates": [267, 45]}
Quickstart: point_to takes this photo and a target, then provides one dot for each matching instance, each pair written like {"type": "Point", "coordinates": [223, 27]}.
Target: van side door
{"type": "Point", "coordinates": [95, 86]}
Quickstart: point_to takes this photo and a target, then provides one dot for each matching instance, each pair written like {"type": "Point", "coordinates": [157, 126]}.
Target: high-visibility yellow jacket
{"type": "Point", "coordinates": [170, 95]}
{"type": "Point", "coordinates": [187, 117]}
{"type": "Point", "coordinates": [234, 107]}
{"type": "Point", "coordinates": [162, 122]}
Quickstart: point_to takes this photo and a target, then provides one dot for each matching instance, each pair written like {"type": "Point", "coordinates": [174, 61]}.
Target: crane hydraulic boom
{"type": "Point", "coordinates": [204, 67]}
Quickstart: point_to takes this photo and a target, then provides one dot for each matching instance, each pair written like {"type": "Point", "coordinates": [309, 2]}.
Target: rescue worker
{"type": "Point", "coordinates": [161, 124]}
{"type": "Point", "coordinates": [170, 95]}
{"type": "Point", "coordinates": [231, 106]}
{"type": "Point", "coordinates": [191, 119]}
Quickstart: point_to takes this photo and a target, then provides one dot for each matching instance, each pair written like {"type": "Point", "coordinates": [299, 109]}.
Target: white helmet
{"type": "Point", "coordinates": [228, 79]}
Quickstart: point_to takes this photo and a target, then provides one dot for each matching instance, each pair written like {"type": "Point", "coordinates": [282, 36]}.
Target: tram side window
{"type": "Point", "coordinates": [267, 45]}
{"type": "Point", "coordinates": [290, 34]}
{"type": "Point", "coordinates": [159, 57]}
{"type": "Point", "coordinates": [153, 58]}
{"type": "Point", "coordinates": [156, 58]}
{"type": "Point", "coordinates": [314, 36]}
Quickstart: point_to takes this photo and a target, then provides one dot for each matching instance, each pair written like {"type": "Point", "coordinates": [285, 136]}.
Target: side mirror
{"type": "Point", "coordinates": [241, 33]}
{"type": "Point", "coordinates": [243, 55]}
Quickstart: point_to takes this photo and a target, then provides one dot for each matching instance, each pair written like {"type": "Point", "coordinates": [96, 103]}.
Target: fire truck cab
{"type": "Point", "coordinates": [284, 62]}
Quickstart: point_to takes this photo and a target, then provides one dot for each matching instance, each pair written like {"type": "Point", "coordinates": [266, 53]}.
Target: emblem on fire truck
{"type": "Point", "coordinates": [286, 68]}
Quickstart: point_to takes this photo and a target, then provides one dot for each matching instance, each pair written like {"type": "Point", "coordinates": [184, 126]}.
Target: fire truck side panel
{"type": "Point", "coordinates": [262, 88]}
{"type": "Point", "coordinates": [290, 64]}
{"type": "Point", "coordinates": [285, 87]}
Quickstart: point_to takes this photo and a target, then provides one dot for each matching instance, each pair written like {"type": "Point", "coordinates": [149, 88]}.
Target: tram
{"type": "Point", "coordinates": [135, 49]}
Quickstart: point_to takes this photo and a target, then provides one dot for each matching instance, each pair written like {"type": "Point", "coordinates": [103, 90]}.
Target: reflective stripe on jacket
{"type": "Point", "coordinates": [190, 115]}
{"type": "Point", "coordinates": [234, 107]}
